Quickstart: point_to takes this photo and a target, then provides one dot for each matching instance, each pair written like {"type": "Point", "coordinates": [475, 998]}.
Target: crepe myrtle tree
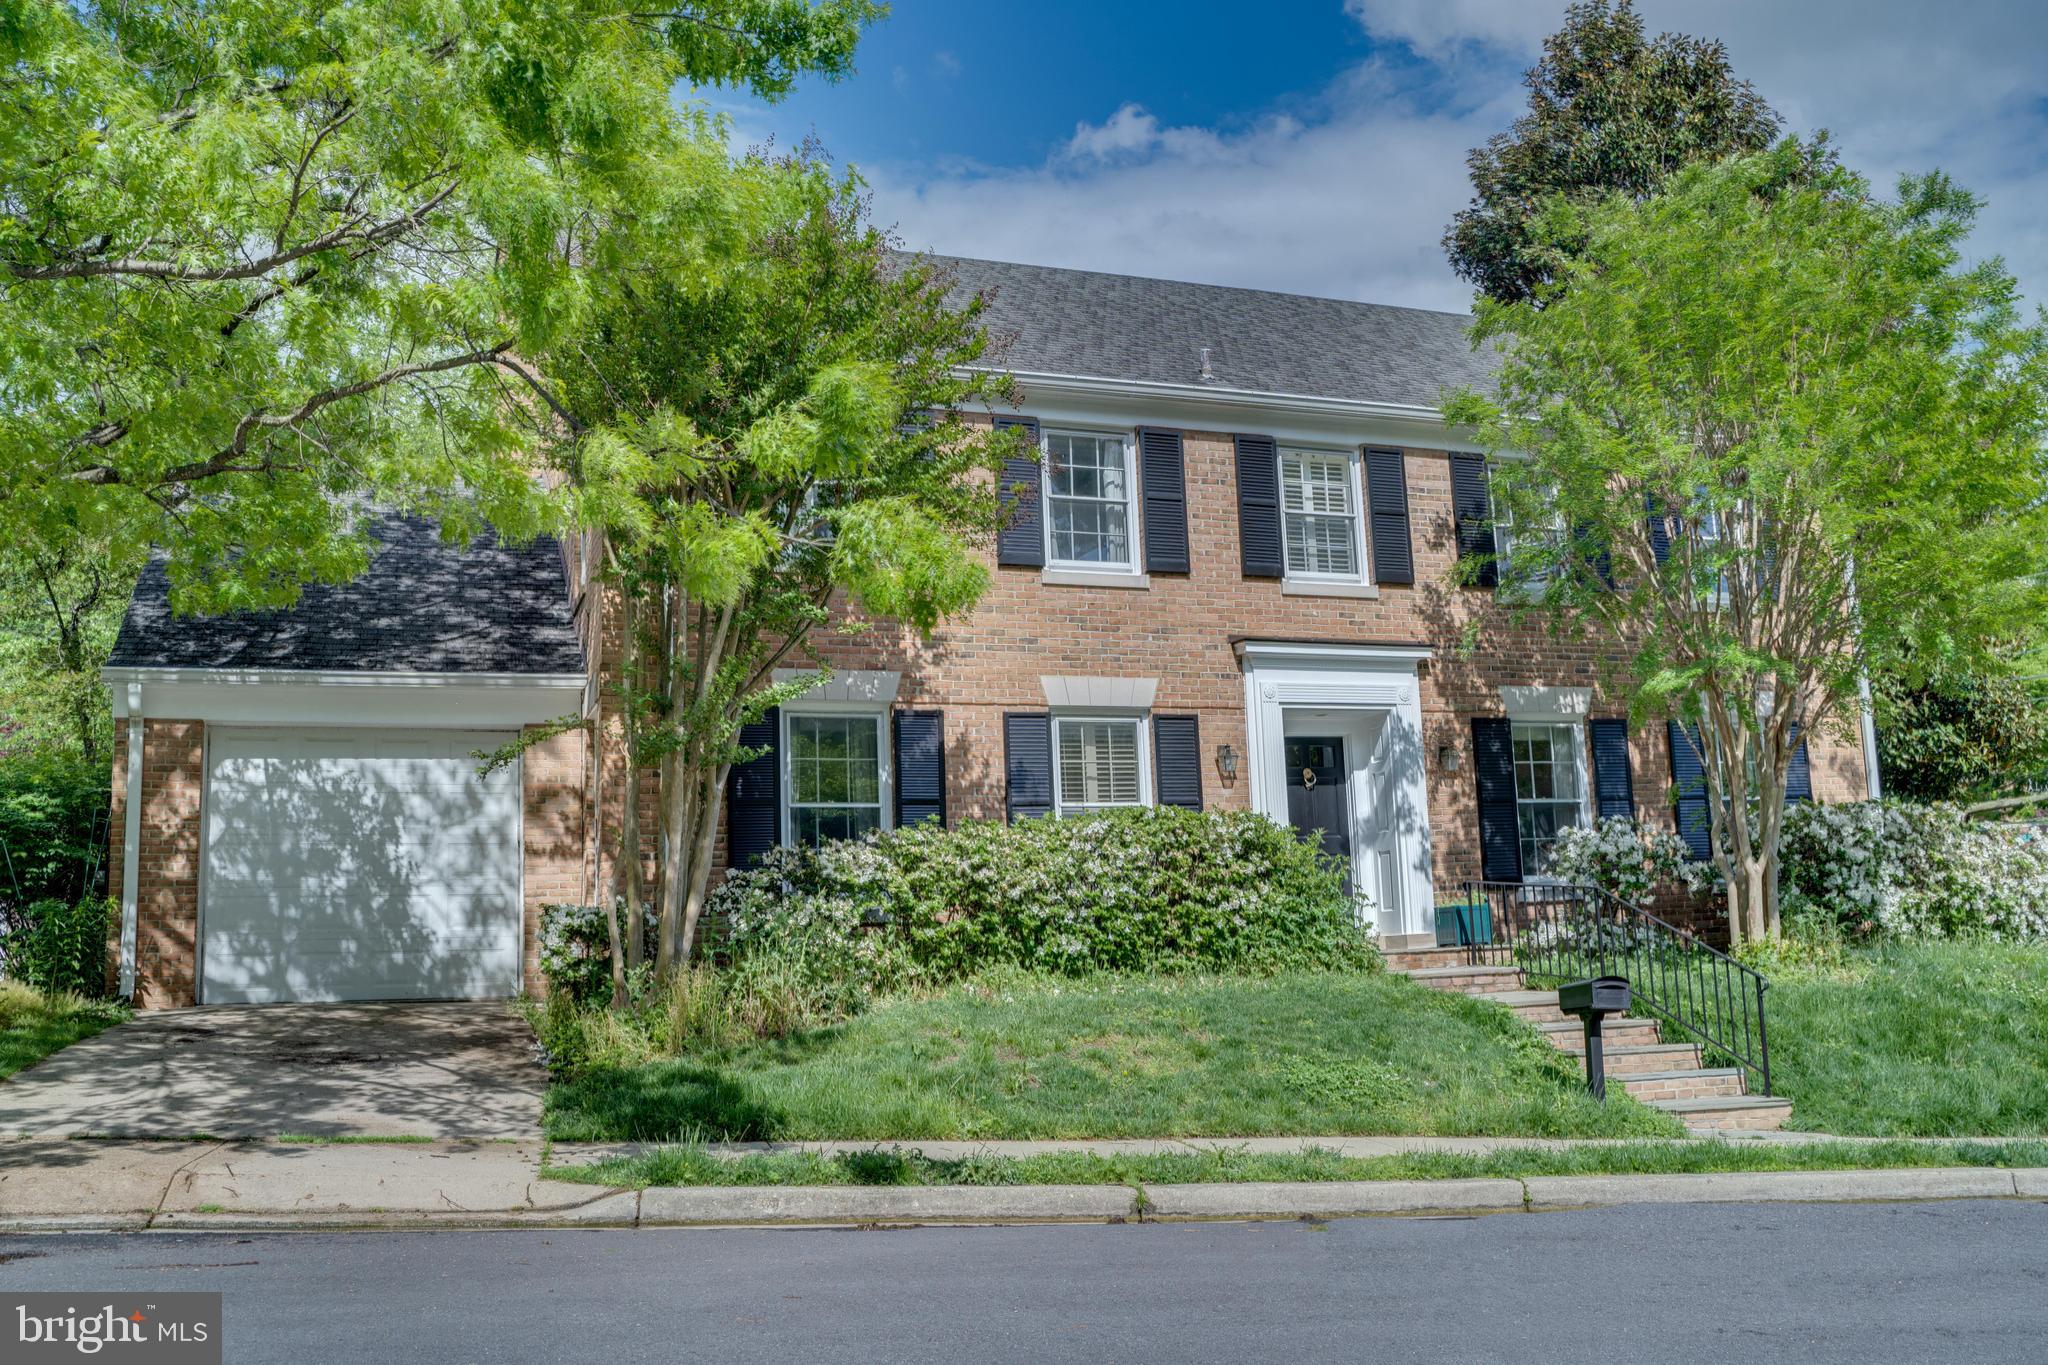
{"type": "Point", "coordinates": [260, 259]}
{"type": "Point", "coordinates": [1765, 439]}
{"type": "Point", "coordinates": [759, 454]}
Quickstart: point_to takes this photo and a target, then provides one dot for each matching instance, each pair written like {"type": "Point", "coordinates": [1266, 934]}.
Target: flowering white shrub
{"type": "Point", "coordinates": [1913, 871]}
{"type": "Point", "coordinates": [1624, 860]}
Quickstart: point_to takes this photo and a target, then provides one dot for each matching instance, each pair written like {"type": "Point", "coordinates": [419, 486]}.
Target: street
{"type": "Point", "coordinates": [1954, 1282]}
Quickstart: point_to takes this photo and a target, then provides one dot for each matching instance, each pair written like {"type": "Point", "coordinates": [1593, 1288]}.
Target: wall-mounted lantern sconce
{"type": "Point", "coordinates": [1226, 762]}
{"type": "Point", "coordinates": [1449, 757]}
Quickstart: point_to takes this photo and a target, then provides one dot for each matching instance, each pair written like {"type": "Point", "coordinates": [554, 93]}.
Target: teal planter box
{"type": "Point", "coordinates": [1459, 926]}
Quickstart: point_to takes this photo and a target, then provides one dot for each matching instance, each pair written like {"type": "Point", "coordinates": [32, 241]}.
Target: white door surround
{"type": "Point", "coordinates": [1370, 692]}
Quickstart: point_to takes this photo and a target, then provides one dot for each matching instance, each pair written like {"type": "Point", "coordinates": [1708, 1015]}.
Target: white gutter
{"type": "Point", "coordinates": [1096, 386]}
{"type": "Point", "coordinates": [131, 841]}
{"type": "Point", "coordinates": [1872, 782]}
{"type": "Point", "coordinates": [303, 677]}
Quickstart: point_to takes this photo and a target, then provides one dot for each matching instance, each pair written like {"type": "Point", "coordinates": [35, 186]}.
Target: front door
{"type": "Point", "coordinates": [1319, 795]}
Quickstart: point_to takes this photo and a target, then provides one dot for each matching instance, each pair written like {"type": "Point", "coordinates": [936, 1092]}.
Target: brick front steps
{"type": "Point", "coordinates": [1666, 1076]}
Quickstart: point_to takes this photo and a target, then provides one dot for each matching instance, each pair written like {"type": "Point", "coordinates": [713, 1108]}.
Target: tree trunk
{"type": "Point", "coordinates": [709, 808]}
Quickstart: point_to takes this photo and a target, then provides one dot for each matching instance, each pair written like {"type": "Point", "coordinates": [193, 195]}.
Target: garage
{"type": "Point", "coordinates": [358, 864]}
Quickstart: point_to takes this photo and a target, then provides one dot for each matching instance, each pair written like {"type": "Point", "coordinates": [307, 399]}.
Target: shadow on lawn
{"type": "Point", "coordinates": [665, 1102]}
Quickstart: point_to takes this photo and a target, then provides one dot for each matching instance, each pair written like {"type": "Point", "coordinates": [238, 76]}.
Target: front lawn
{"type": "Point", "coordinates": [34, 1024]}
{"type": "Point", "coordinates": [1926, 1039]}
{"type": "Point", "coordinates": [692, 1165]}
{"type": "Point", "coordinates": [1157, 1056]}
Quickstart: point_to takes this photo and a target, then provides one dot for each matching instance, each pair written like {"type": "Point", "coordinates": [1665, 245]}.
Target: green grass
{"type": "Point", "coordinates": [1931, 1040]}
{"type": "Point", "coordinates": [1015, 1057]}
{"type": "Point", "coordinates": [693, 1165]}
{"type": "Point", "coordinates": [34, 1024]}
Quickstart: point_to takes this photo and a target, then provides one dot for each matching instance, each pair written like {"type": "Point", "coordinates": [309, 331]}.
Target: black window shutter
{"type": "Point", "coordinates": [1386, 498]}
{"type": "Point", "coordinates": [1177, 761]}
{"type": "Point", "coordinates": [1472, 508]}
{"type": "Point", "coordinates": [1163, 484]}
{"type": "Point", "coordinates": [1660, 529]}
{"type": "Point", "coordinates": [1689, 777]}
{"type": "Point", "coordinates": [1258, 506]}
{"type": "Point", "coordinates": [1021, 542]}
{"type": "Point", "coordinates": [1493, 772]}
{"type": "Point", "coordinates": [1799, 773]}
{"type": "Point", "coordinates": [1027, 764]}
{"type": "Point", "coordinates": [920, 767]}
{"type": "Point", "coordinates": [753, 792]}
{"type": "Point", "coordinates": [1614, 794]}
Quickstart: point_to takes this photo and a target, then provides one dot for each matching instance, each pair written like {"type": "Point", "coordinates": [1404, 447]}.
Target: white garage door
{"type": "Point", "coordinates": [358, 865]}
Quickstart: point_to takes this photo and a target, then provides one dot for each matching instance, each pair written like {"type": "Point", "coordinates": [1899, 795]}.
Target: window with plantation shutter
{"type": "Point", "coordinates": [1097, 763]}
{"type": "Point", "coordinates": [1319, 515]}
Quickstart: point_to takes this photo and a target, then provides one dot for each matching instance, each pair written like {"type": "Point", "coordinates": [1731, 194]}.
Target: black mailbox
{"type": "Point", "coordinates": [1593, 1000]}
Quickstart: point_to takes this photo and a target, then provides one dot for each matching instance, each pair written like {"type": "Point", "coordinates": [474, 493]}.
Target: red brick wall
{"type": "Point", "coordinates": [552, 791]}
{"type": "Point", "coordinates": [167, 880]}
{"type": "Point", "coordinates": [1179, 630]}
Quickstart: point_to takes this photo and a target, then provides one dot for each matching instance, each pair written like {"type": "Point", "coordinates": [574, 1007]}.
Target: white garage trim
{"type": "Point", "coordinates": [344, 863]}
{"type": "Point", "coordinates": [278, 696]}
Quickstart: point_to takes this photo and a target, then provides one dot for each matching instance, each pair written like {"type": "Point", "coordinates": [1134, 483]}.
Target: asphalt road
{"type": "Point", "coordinates": [1951, 1282]}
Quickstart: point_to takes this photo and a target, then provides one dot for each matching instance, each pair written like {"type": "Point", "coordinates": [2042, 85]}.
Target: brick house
{"type": "Point", "coordinates": [1233, 588]}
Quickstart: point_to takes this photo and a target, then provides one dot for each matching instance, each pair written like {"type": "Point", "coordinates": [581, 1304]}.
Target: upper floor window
{"type": "Point", "coordinates": [1319, 514]}
{"type": "Point", "coordinates": [834, 777]}
{"type": "Point", "coordinates": [1098, 763]}
{"type": "Point", "coordinates": [1088, 492]}
{"type": "Point", "coordinates": [1550, 788]}
{"type": "Point", "coordinates": [1537, 538]}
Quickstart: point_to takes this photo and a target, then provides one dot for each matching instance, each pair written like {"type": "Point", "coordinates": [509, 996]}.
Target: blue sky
{"type": "Point", "coordinates": [1320, 146]}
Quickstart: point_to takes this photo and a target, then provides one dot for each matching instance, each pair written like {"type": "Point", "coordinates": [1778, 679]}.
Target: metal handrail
{"type": "Point", "coordinates": [1556, 933]}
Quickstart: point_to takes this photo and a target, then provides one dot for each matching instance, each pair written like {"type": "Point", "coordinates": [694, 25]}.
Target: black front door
{"type": "Point", "coordinates": [1318, 796]}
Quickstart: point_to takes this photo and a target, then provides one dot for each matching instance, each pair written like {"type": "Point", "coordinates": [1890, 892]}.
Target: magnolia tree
{"type": "Point", "coordinates": [1764, 437]}
{"type": "Point", "coordinates": [756, 455]}
{"type": "Point", "coordinates": [259, 258]}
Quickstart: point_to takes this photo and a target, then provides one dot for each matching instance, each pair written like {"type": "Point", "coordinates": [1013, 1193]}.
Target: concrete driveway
{"type": "Point", "coordinates": [258, 1071]}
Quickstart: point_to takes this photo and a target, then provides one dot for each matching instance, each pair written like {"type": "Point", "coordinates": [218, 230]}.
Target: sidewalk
{"type": "Point", "coordinates": [133, 1186]}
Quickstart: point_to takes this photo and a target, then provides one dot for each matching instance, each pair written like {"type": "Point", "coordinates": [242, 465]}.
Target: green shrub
{"type": "Point", "coordinates": [53, 841]}
{"type": "Point", "coordinates": [576, 949]}
{"type": "Point", "coordinates": [57, 946]}
{"type": "Point", "coordinates": [1897, 870]}
{"type": "Point", "coordinates": [1153, 890]}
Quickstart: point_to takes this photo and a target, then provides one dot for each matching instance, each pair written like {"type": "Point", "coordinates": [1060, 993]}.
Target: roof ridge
{"type": "Point", "coordinates": [1190, 284]}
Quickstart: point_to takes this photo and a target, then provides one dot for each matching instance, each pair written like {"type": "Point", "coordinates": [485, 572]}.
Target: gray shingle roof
{"type": "Point", "coordinates": [1047, 320]}
{"type": "Point", "coordinates": [423, 607]}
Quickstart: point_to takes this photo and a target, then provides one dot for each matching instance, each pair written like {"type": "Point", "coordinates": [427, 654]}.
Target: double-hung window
{"type": "Point", "coordinates": [1098, 762]}
{"type": "Point", "coordinates": [1319, 515]}
{"type": "Point", "coordinates": [834, 776]}
{"type": "Point", "coordinates": [1550, 788]}
{"type": "Point", "coordinates": [1089, 491]}
{"type": "Point", "coordinates": [1537, 538]}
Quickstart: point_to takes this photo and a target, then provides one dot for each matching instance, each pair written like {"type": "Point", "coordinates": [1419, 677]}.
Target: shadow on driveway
{"type": "Point", "coordinates": [256, 1071]}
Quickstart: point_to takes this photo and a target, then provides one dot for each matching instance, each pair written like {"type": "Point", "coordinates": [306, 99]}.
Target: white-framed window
{"type": "Point", "coordinates": [1322, 527]}
{"type": "Point", "coordinates": [835, 774]}
{"type": "Point", "coordinates": [1545, 533]}
{"type": "Point", "coordinates": [1090, 502]}
{"type": "Point", "coordinates": [1099, 762]}
{"type": "Point", "coordinates": [1550, 787]}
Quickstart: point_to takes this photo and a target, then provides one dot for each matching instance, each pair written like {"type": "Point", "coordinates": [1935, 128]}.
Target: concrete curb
{"type": "Point", "coordinates": [908, 1206]}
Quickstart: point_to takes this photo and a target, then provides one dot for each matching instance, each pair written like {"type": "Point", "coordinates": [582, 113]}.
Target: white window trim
{"type": "Point", "coordinates": [1363, 543]}
{"type": "Point", "coordinates": [884, 760]}
{"type": "Point", "coordinates": [1582, 767]}
{"type": "Point", "coordinates": [1094, 569]}
{"type": "Point", "coordinates": [1078, 714]}
{"type": "Point", "coordinates": [1504, 535]}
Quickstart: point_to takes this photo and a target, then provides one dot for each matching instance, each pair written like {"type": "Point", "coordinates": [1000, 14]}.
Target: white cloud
{"type": "Point", "coordinates": [1349, 195]}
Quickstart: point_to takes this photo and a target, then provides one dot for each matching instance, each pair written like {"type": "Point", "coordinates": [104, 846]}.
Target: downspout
{"type": "Point", "coordinates": [131, 842]}
{"type": "Point", "coordinates": [1873, 784]}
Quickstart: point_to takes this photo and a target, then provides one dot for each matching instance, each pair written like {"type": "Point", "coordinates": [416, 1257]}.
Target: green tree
{"type": "Point", "coordinates": [257, 256]}
{"type": "Point", "coordinates": [60, 610]}
{"type": "Point", "coordinates": [1834, 424]}
{"type": "Point", "coordinates": [759, 455]}
{"type": "Point", "coordinates": [1960, 734]}
{"type": "Point", "coordinates": [1611, 111]}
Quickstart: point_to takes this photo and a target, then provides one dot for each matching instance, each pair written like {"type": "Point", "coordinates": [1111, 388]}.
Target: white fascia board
{"type": "Point", "coordinates": [222, 696]}
{"type": "Point", "coordinates": [1085, 401]}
